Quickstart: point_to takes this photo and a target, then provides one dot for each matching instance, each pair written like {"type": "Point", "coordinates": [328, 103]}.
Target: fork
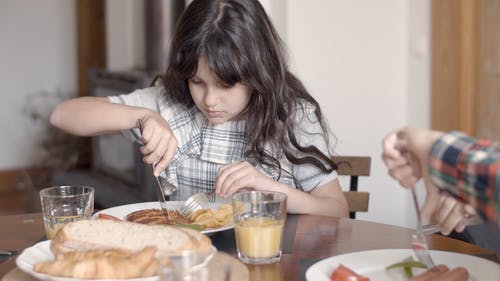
{"type": "Point", "coordinates": [433, 228]}
{"type": "Point", "coordinates": [419, 242]}
{"type": "Point", "coordinates": [196, 202]}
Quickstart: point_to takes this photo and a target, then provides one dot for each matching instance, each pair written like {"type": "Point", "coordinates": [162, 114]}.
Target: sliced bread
{"type": "Point", "coordinates": [87, 235]}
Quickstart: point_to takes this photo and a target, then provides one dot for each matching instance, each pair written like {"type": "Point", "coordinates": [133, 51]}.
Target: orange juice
{"type": "Point", "coordinates": [259, 237]}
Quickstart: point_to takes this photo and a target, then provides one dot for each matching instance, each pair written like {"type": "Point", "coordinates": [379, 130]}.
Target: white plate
{"type": "Point", "coordinates": [122, 211]}
{"type": "Point", "coordinates": [372, 264]}
{"type": "Point", "coordinates": [41, 252]}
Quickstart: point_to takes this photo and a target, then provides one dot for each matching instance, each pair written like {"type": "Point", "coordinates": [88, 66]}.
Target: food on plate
{"type": "Point", "coordinates": [213, 218]}
{"type": "Point", "coordinates": [407, 266]}
{"type": "Point", "coordinates": [108, 249]}
{"type": "Point", "coordinates": [87, 235]}
{"type": "Point", "coordinates": [205, 218]}
{"type": "Point", "coordinates": [107, 217]}
{"type": "Point", "coordinates": [102, 264]}
{"type": "Point", "coordinates": [343, 273]}
{"type": "Point", "coordinates": [156, 216]}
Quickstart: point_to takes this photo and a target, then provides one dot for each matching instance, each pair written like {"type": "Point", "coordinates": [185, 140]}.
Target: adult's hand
{"type": "Point", "coordinates": [406, 155]}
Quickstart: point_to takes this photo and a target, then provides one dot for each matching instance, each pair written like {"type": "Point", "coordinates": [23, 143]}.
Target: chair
{"type": "Point", "coordinates": [354, 167]}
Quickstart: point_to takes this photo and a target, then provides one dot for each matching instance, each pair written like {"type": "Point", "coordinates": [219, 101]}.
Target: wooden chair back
{"type": "Point", "coordinates": [354, 167]}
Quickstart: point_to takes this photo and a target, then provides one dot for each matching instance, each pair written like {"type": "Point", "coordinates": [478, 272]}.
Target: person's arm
{"type": "Point", "coordinates": [90, 116]}
{"type": "Point", "coordinates": [468, 169]}
{"type": "Point", "coordinates": [326, 199]}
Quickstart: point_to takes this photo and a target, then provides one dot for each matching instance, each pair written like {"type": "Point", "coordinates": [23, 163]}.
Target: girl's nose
{"type": "Point", "coordinates": [211, 97]}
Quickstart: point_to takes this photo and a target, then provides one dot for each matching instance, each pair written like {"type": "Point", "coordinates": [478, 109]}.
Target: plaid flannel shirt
{"type": "Point", "coordinates": [203, 147]}
{"type": "Point", "coordinates": [468, 169]}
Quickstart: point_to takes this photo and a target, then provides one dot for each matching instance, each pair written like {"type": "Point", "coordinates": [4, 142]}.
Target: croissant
{"type": "Point", "coordinates": [102, 264]}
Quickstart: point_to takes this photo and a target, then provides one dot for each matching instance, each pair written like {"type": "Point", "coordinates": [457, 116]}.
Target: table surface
{"type": "Point", "coordinates": [307, 240]}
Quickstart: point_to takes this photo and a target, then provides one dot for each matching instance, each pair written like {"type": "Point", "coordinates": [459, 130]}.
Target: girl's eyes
{"type": "Point", "coordinates": [219, 84]}
{"type": "Point", "coordinates": [224, 85]}
{"type": "Point", "coordinates": [195, 81]}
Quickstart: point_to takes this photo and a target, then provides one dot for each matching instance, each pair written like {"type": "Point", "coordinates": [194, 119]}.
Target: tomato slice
{"type": "Point", "coordinates": [343, 273]}
{"type": "Point", "coordinates": [107, 217]}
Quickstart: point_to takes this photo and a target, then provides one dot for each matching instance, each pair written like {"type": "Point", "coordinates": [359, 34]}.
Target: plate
{"type": "Point", "coordinates": [372, 264]}
{"type": "Point", "coordinates": [122, 211]}
{"type": "Point", "coordinates": [41, 252]}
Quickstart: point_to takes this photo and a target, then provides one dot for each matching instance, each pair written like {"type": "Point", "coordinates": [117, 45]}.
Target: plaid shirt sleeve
{"type": "Point", "coordinates": [468, 169]}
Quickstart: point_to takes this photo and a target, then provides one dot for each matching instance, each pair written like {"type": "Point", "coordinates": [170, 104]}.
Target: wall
{"type": "Point", "coordinates": [367, 62]}
{"type": "Point", "coordinates": [37, 58]}
{"type": "Point", "coordinates": [125, 34]}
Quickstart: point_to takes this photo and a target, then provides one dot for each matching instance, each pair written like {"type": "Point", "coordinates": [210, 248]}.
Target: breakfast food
{"type": "Point", "coordinates": [128, 236]}
{"type": "Point", "coordinates": [102, 264]}
{"type": "Point", "coordinates": [206, 218]}
{"type": "Point", "coordinates": [343, 273]}
{"type": "Point", "coordinates": [108, 249]}
{"type": "Point", "coordinates": [213, 218]}
{"type": "Point", "coordinates": [156, 216]}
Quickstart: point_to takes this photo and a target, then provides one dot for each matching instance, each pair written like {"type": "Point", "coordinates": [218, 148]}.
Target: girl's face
{"type": "Point", "coordinates": [218, 102]}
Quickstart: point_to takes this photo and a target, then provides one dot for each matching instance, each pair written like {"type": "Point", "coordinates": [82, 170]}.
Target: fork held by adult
{"type": "Point", "coordinates": [419, 242]}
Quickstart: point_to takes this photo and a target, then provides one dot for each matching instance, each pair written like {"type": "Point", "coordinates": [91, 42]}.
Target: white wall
{"type": "Point", "coordinates": [125, 34]}
{"type": "Point", "coordinates": [37, 58]}
{"type": "Point", "coordinates": [352, 57]}
{"type": "Point", "coordinates": [367, 62]}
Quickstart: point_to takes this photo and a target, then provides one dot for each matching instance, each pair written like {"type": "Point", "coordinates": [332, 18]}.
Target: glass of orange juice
{"type": "Point", "coordinates": [64, 204]}
{"type": "Point", "coordinates": [259, 219]}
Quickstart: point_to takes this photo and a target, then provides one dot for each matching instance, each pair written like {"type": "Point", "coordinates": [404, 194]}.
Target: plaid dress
{"type": "Point", "coordinates": [204, 147]}
{"type": "Point", "coordinates": [468, 169]}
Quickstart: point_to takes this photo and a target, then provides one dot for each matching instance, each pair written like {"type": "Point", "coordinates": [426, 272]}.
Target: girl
{"type": "Point", "coordinates": [227, 114]}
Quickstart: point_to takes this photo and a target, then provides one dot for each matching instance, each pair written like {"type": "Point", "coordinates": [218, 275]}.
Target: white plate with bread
{"type": "Point", "coordinates": [121, 212]}
{"type": "Point", "coordinates": [41, 252]}
{"type": "Point", "coordinates": [111, 250]}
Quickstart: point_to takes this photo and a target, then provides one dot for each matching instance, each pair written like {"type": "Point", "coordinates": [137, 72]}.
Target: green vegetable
{"type": "Point", "coordinates": [408, 272]}
{"type": "Point", "coordinates": [407, 265]}
{"type": "Point", "coordinates": [192, 226]}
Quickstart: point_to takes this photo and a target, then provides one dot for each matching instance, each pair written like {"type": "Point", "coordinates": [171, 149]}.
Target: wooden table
{"type": "Point", "coordinates": [307, 240]}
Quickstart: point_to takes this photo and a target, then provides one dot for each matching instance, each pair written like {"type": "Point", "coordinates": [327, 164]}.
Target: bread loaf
{"type": "Point", "coordinates": [102, 264]}
{"type": "Point", "coordinates": [88, 235]}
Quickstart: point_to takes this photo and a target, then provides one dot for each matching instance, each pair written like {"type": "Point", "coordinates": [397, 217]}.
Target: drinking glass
{"type": "Point", "coordinates": [259, 219]}
{"type": "Point", "coordinates": [186, 266]}
{"type": "Point", "coordinates": [64, 204]}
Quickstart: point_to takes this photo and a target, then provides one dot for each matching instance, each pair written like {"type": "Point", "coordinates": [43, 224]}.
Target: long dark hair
{"type": "Point", "coordinates": [241, 45]}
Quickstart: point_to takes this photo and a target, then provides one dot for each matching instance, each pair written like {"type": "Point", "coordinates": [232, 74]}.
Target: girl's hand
{"type": "Point", "coordinates": [160, 143]}
{"type": "Point", "coordinates": [242, 175]}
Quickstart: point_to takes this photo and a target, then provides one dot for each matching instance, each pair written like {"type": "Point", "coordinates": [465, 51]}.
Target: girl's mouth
{"type": "Point", "coordinates": [213, 114]}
